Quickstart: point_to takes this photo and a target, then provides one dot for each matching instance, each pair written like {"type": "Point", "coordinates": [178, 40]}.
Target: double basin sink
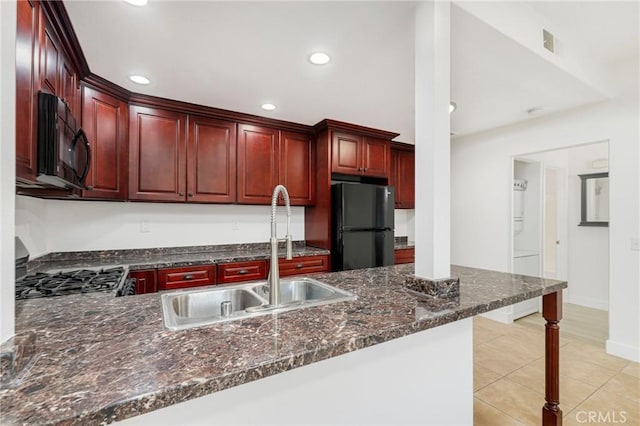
{"type": "Point", "coordinates": [194, 308]}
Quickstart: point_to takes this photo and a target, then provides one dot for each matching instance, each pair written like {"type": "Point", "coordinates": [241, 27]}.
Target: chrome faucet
{"type": "Point", "coordinates": [274, 271]}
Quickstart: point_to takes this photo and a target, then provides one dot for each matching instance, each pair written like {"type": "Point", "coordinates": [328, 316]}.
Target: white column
{"type": "Point", "coordinates": [432, 97]}
{"type": "Point", "coordinates": [7, 166]}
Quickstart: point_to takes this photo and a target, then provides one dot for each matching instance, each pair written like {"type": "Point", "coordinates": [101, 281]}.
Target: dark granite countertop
{"type": "Point", "coordinates": [137, 259]}
{"type": "Point", "coordinates": [403, 243]}
{"type": "Point", "coordinates": [103, 359]}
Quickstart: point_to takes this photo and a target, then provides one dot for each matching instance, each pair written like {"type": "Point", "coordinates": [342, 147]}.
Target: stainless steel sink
{"type": "Point", "coordinates": [193, 308]}
{"type": "Point", "coordinates": [300, 290]}
{"type": "Point", "coordinates": [205, 304]}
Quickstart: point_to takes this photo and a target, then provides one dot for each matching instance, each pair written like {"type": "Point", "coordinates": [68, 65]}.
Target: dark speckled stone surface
{"type": "Point", "coordinates": [103, 358]}
{"type": "Point", "coordinates": [137, 259]}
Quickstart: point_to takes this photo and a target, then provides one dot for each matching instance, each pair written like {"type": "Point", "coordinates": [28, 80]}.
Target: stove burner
{"type": "Point", "coordinates": [72, 282]}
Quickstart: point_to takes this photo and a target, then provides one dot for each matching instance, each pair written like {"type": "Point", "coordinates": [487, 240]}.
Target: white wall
{"type": "Point", "coordinates": [480, 208]}
{"type": "Point", "coordinates": [7, 166]}
{"type": "Point", "coordinates": [405, 223]}
{"type": "Point", "coordinates": [58, 225]}
{"type": "Point", "coordinates": [588, 246]}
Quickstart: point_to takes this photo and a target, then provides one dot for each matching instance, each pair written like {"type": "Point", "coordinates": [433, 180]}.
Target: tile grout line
{"type": "Point", "coordinates": [499, 410]}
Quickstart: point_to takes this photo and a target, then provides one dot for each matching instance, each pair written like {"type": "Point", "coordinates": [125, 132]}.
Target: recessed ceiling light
{"type": "Point", "coordinates": [452, 107]}
{"type": "Point", "coordinates": [319, 58]}
{"type": "Point", "coordinates": [137, 2]}
{"type": "Point", "coordinates": [140, 79]}
{"type": "Point", "coordinates": [268, 107]}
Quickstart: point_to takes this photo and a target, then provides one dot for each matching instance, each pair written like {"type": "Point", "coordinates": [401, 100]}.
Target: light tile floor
{"type": "Point", "coordinates": [595, 387]}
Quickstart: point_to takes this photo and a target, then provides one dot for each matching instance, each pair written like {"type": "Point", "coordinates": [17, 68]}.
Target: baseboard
{"type": "Point", "coordinates": [623, 350]}
{"type": "Point", "coordinates": [503, 315]}
{"type": "Point", "coordinates": [589, 302]}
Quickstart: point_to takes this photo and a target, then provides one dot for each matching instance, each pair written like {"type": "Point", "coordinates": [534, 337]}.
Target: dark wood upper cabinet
{"type": "Point", "coordinates": [346, 154]}
{"type": "Point", "coordinates": [104, 120]}
{"type": "Point", "coordinates": [257, 163]}
{"type": "Point", "coordinates": [403, 176]}
{"type": "Point", "coordinates": [360, 155]}
{"type": "Point", "coordinates": [50, 59]}
{"type": "Point", "coordinates": [297, 167]}
{"type": "Point", "coordinates": [211, 161]}
{"type": "Point", "coordinates": [27, 60]}
{"type": "Point", "coordinates": [376, 157]}
{"type": "Point", "coordinates": [157, 154]}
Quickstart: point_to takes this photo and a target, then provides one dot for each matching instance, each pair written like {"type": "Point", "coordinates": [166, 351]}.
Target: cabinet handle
{"type": "Point", "coordinates": [299, 266]}
{"type": "Point", "coordinates": [190, 194]}
{"type": "Point", "coordinates": [243, 272]}
{"type": "Point", "coordinates": [187, 277]}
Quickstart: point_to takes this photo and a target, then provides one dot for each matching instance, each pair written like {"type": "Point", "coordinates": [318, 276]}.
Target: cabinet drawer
{"type": "Point", "coordinates": [242, 271]}
{"type": "Point", "coordinates": [303, 265]}
{"type": "Point", "coordinates": [405, 256]}
{"type": "Point", "coordinates": [190, 276]}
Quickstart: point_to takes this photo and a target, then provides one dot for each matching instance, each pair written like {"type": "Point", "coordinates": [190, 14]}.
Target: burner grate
{"type": "Point", "coordinates": [69, 282]}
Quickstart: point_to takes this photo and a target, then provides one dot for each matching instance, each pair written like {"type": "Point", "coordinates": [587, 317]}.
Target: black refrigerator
{"type": "Point", "coordinates": [362, 226]}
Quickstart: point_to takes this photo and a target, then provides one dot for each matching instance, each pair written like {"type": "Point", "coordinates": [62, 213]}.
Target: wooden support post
{"type": "Point", "coordinates": [552, 312]}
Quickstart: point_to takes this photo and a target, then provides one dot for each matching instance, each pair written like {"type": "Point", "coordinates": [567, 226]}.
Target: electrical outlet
{"type": "Point", "coordinates": [635, 244]}
{"type": "Point", "coordinates": [144, 227]}
{"type": "Point", "coordinates": [235, 226]}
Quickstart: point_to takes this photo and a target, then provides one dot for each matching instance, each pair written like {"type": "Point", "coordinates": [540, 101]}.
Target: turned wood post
{"type": "Point", "coordinates": [552, 312]}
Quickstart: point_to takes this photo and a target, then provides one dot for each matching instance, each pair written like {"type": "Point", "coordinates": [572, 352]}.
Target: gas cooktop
{"type": "Point", "coordinates": [74, 282]}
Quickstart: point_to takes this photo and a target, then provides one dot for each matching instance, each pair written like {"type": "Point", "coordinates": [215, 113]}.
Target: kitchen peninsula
{"type": "Point", "coordinates": [103, 359]}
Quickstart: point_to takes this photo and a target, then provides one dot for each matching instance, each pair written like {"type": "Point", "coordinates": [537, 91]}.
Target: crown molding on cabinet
{"type": "Point", "coordinates": [59, 18]}
{"type": "Point", "coordinates": [328, 123]}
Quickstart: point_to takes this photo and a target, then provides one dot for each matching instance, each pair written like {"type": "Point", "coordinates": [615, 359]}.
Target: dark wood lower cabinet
{"type": "Point", "coordinates": [189, 276]}
{"type": "Point", "coordinates": [242, 271]}
{"type": "Point", "coordinates": [303, 265]}
{"type": "Point", "coordinates": [145, 281]}
{"type": "Point", "coordinates": [406, 255]}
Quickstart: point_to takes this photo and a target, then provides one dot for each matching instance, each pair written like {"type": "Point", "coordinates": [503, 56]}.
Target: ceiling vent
{"type": "Point", "coordinates": [548, 41]}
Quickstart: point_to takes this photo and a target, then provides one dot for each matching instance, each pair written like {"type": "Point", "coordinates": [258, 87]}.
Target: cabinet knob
{"type": "Point", "coordinates": [190, 194]}
{"type": "Point", "coordinates": [299, 266]}
{"type": "Point", "coordinates": [181, 194]}
{"type": "Point", "coordinates": [187, 277]}
{"type": "Point", "coordinates": [243, 272]}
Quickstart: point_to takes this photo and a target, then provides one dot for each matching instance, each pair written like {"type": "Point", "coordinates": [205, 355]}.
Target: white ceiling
{"type": "Point", "coordinates": [238, 55]}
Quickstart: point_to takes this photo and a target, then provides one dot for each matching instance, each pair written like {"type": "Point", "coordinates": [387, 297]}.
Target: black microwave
{"type": "Point", "coordinates": [63, 149]}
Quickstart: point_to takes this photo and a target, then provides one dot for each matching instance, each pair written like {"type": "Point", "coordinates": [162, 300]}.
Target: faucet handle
{"type": "Point", "coordinates": [289, 247]}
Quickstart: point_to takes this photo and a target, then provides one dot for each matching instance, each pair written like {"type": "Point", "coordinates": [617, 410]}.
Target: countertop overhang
{"type": "Point", "coordinates": [103, 359]}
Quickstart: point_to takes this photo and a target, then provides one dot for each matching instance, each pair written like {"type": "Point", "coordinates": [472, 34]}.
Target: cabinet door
{"type": "Point", "coordinates": [405, 175]}
{"type": "Point", "coordinates": [376, 157]}
{"type": "Point", "coordinates": [27, 60]}
{"type": "Point", "coordinates": [211, 161]}
{"type": "Point", "coordinates": [346, 155]}
{"type": "Point", "coordinates": [145, 281]}
{"type": "Point", "coordinates": [68, 91]}
{"type": "Point", "coordinates": [257, 164]}
{"type": "Point", "coordinates": [296, 167]}
{"type": "Point", "coordinates": [157, 154]}
{"type": "Point", "coordinates": [50, 58]}
{"type": "Point", "coordinates": [393, 176]}
{"type": "Point", "coordinates": [104, 120]}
